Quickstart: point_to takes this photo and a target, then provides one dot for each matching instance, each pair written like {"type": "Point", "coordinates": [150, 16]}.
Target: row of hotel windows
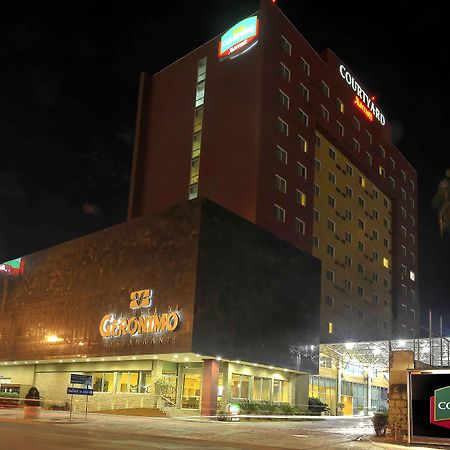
{"type": "Point", "coordinates": [324, 88]}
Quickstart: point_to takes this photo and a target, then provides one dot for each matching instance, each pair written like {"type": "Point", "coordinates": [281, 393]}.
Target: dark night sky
{"type": "Point", "coordinates": [68, 90]}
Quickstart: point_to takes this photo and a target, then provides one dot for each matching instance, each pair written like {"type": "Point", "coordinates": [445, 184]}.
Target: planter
{"type": "Point", "coordinates": [31, 412]}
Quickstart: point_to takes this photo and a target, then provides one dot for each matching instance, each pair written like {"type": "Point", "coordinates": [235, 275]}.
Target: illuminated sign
{"type": "Point", "coordinates": [440, 407]}
{"type": "Point", "coordinates": [238, 38]}
{"type": "Point", "coordinates": [148, 323]}
{"type": "Point", "coordinates": [364, 102]}
{"type": "Point", "coordinates": [13, 267]}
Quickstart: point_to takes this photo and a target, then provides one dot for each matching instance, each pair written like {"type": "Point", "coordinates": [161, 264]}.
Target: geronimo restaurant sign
{"type": "Point", "coordinates": [239, 38]}
{"type": "Point", "coordinates": [429, 406]}
{"type": "Point", "coordinates": [362, 101]}
{"type": "Point", "coordinates": [146, 323]}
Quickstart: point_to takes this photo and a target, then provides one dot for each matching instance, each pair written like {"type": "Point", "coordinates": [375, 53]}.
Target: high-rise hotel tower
{"type": "Point", "coordinates": [292, 141]}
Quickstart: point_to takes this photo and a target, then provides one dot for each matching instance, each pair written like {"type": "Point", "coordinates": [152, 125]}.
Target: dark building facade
{"type": "Point", "coordinates": [247, 130]}
{"type": "Point", "coordinates": [193, 295]}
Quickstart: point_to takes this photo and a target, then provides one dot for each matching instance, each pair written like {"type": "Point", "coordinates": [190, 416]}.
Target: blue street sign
{"type": "Point", "coordinates": [80, 391]}
{"type": "Point", "coordinates": [75, 378]}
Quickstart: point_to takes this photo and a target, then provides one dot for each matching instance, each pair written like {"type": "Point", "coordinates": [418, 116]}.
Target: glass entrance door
{"type": "Point", "coordinates": [191, 390]}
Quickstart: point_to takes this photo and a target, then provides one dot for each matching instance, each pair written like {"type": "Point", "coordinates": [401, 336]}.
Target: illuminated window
{"type": "Point", "coordinates": [300, 197]}
{"type": "Point", "coordinates": [369, 137]}
{"type": "Point", "coordinates": [304, 92]}
{"type": "Point", "coordinates": [329, 301]}
{"type": "Point", "coordinates": [340, 106]}
{"type": "Point", "coordinates": [305, 66]}
{"type": "Point", "coordinates": [348, 191]}
{"type": "Point", "coordinates": [281, 155]}
{"type": "Point", "coordinates": [317, 165]}
{"type": "Point", "coordinates": [303, 144]}
{"type": "Point", "coordinates": [340, 128]}
{"type": "Point", "coordinates": [386, 263]}
{"type": "Point", "coordinates": [412, 275]}
{"type": "Point", "coordinates": [300, 226]}
{"type": "Point", "coordinates": [331, 177]}
{"type": "Point", "coordinates": [331, 225]}
{"type": "Point", "coordinates": [347, 284]}
{"type": "Point", "coordinates": [324, 89]}
{"type": "Point", "coordinates": [356, 145]}
{"type": "Point", "coordinates": [356, 124]}
{"type": "Point", "coordinates": [325, 113]}
{"type": "Point", "coordinates": [331, 201]}
{"type": "Point", "coordinates": [316, 190]}
{"type": "Point", "coordinates": [283, 127]}
{"type": "Point", "coordinates": [301, 170]}
{"type": "Point", "coordinates": [283, 99]}
{"type": "Point", "coordinates": [285, 72]}
{"type": "Point", "coordinates": [304, 119]}
{"type": "Point", "coordinates": [381, 171]}
{"type": "Point", "coordinates": [280, 183]}
{"type": "Point", "coordinates": [316, 215]}
{"type": "Point", "coordinates": [348, 261]}
{"type": "Point", "coordinates": [330, 328]}
{"type": "Point", "coordinates": [279, 213]}
{"type": "Point", "coordinates": [285, 45]}
{"type": "Point", "coordinates": [362, 181]}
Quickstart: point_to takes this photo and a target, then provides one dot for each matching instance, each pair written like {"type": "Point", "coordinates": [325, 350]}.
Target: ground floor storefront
{"type": "Point", "coordinates": [175, 383]}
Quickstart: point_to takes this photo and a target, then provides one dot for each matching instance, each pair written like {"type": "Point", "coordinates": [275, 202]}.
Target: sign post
{"type": "Point", "coordinates": [85, 380]}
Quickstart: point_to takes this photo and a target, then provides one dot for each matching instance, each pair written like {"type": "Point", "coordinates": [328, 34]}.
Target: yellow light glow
{"type": "Point", "coordinates": [386, 263]}
{"type": "Point", "coordinates": [330, 328]}
{"type": "Point", "coordinates": [53, 339]}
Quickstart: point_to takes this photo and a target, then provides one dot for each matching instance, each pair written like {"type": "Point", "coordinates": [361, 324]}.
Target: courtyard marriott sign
{"type": "Point", "coordinates": [362, 100]}
{"type": "Point", "coordinates": [146, 323]}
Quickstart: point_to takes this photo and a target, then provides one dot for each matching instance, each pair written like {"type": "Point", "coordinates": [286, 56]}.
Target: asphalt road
{"type": "Point", "coordinates": [100, 432]}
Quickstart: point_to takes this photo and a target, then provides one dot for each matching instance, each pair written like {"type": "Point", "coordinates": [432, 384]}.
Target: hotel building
{"type": "Point", "coordinates": [269, 212]}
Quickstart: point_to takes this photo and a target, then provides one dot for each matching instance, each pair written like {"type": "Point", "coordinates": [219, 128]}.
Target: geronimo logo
{"type": "Point", "coordinates": [440, 407]}
{"type": "Point", "coordinates": [141, 299]}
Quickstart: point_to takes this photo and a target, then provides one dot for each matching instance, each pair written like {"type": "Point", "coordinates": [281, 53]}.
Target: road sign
{"type": "Point", "coordinates": [76, 378]}
{"type": "Point", "coordinates": [80, 391]}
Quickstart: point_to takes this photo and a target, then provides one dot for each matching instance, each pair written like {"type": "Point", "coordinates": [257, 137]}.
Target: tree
{"type": "Point", "coordinates": [441, 201]}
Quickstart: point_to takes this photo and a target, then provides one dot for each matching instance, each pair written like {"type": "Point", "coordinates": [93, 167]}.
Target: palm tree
{"type": "Point", "coordinates": [441, 201]}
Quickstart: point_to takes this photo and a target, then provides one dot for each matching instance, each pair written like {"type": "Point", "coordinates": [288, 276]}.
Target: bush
{"type": "Point", "coordinates": [316, 407]}
{"type": "Point", "coordinates": [9, 399]}
{"type": "Point", "coordinates": [380, 421]}
{"type": "Point", "coordinates": [32, 397]}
